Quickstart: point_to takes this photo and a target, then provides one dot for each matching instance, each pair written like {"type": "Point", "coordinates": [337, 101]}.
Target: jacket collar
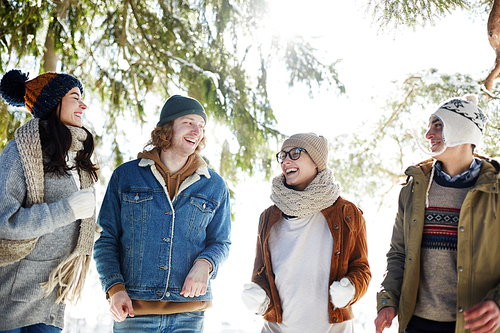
{"type": "Point", "coordinates": [488, 176]}
{"type": "Point", "coordinates": [202, 171]}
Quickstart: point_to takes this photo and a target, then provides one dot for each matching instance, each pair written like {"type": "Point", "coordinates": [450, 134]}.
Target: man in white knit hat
{"type": "Point", "coordinates": [443, 271]}
{"type": "Point", "coordinates": [311, 261]}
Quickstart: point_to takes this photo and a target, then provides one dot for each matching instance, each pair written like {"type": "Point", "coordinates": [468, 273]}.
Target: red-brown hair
{"type": "Point", "coordinates": [161, 137]}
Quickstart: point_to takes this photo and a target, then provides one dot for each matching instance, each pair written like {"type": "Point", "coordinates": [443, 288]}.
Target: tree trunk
{"type": "Point", "coordinates": [494, 38]}
{"type": "Point", "coordinates": [49, 56]}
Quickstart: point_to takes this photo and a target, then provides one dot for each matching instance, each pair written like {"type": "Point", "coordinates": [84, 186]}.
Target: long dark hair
{"type": "Point", "coordinates": [56, 140]}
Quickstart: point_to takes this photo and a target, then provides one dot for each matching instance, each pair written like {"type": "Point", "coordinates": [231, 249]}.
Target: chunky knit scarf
{"type": "Point", "coordinates": [71, 273]}
{"type": "Point", "coordinates": [321, 193]}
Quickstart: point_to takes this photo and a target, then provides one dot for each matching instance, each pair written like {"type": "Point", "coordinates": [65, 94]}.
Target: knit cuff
{"type": "Point", "coordinates": [114, 289]}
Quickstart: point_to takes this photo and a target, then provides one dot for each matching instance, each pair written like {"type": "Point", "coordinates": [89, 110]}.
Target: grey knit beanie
{"type": "Point", "coordinates": [178, 106]}
{"type": "Point", "coordinates": [316, 146]}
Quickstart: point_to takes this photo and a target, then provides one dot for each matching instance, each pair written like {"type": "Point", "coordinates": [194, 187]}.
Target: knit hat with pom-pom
{"type": "Point", "coordinates": [463, 121]}
{"type": "Point", "coordinates": [40, 95]}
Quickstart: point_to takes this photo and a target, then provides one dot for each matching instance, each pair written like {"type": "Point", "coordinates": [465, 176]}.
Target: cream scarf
{"type": "Point", "coordinates": [71, 273]}
{"type": "Point", "coordinates": [321, 193]}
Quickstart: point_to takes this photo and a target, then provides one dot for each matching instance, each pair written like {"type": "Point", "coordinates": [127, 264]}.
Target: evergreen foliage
{"type": "Point", "coordinates": [372, 160]}
{"type": "Point", "coordinates": [129, 53]}
{"type": "Point", "coordinates": [392, 14]}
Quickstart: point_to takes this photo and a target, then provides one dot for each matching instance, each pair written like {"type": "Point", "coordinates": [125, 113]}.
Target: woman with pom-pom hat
{"type": "Point", "coordinates": [47, 203]}
{"type": "Point", "coordinates": [443, 272]}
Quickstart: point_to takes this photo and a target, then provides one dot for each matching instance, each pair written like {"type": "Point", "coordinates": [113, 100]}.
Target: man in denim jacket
{"type": "Point", "coordinates": [166, 228]}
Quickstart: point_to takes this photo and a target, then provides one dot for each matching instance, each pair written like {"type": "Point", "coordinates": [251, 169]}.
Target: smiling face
{"type": "Point", "coordinates": [434, 135]}
{"type": "Point", "coordinates": [187, 134]}
{"type": "Point", "coordinates": [298, 173]}
{"type": "Point", "coordinates": [72, 108]}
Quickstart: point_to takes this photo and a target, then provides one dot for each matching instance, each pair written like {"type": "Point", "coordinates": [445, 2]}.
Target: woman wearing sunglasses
{"type": "Point", "coordinates": [311, 260]}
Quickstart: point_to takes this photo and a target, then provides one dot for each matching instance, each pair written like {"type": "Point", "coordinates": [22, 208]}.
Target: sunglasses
{"type": "Point", "coordinates": [294, 154]}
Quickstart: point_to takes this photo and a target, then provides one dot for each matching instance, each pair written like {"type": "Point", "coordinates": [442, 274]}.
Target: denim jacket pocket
{"type": "Point", "coordinates": [137, 204]}
{"type": "Point", "coordinates": [201, 211]}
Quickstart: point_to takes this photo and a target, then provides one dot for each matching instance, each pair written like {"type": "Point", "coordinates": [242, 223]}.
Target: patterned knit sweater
{"type": "Point", "coordinates": [437, 291]}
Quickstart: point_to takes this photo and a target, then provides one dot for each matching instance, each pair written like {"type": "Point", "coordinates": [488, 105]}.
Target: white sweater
{"type": "Point", "coordinates": [301, 251]}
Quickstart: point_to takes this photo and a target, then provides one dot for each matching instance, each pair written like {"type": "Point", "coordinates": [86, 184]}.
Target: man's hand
{"type": "Point", "coordinates": [483, 317]}
{"type": "Point", "coordinates": [121, 306]}
{"type": "Point", "coordinates": [197, 279]}
{"type": "Point", "coordinates": [384, 318]}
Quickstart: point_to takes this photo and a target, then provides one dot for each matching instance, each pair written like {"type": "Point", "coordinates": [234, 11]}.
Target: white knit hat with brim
{"type": "Point", "coordinates": [463, 121]}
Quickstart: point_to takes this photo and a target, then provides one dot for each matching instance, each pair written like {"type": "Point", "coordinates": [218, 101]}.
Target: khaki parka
{"type": "Point", "coordinates": [349, 257]}
{"type": "Point", "coordinates": [478, 244]}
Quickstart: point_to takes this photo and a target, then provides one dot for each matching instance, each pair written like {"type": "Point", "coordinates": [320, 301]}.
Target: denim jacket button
{"type": "Point", "coordinates": [136, 198]}
{"type": "Point", "coordinates": [167, 294]}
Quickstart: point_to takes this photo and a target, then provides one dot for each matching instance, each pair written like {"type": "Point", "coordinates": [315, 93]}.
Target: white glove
{"type": "Point", "coordinates": [255, 298]}
{"type": "Point", "coordinates": [82, 203]}
{"type": "Point", "coordinates": [342, 292]}
{"type": "Point", "coordinates": [97, 233]}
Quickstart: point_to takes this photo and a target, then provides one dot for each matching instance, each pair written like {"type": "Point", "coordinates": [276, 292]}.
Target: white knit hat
{"type": "Point", "coordinates": [463, 121]}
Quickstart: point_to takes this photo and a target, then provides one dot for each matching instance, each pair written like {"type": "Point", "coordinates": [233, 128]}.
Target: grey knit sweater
{"type": "Point", "coordinates": [21, 297]}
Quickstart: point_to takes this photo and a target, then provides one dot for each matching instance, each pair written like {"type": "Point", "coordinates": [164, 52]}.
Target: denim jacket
{"type": "Point", "coordinates": [149, 242]}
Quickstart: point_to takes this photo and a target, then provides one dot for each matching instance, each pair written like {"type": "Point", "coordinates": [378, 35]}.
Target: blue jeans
{"type": "Point", "coordinates": [38, 328]}
{"type": "Point", "coordinates": [185, 322]}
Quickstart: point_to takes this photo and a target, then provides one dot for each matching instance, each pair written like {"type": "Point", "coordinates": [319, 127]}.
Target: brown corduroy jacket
{"type": "Point", "coordinates": [349, 257]}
